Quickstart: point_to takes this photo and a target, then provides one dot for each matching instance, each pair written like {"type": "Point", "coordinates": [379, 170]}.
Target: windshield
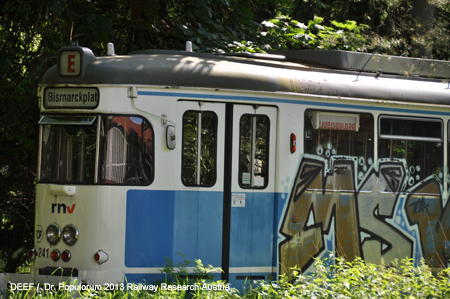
{"type": "Point", "coordinates": [69, 150]}
{"type": "Point", "coordinates": [68, 154]}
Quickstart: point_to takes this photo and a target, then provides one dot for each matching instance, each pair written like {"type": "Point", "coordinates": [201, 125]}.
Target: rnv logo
{"type": "Point", "coordinates": [61, 208]}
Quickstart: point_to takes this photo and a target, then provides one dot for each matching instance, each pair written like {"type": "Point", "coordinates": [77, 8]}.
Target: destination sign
{"type": "Point", "coordinates": [334, 121]}
{"type": "Point", "coordinates": [77, 98]}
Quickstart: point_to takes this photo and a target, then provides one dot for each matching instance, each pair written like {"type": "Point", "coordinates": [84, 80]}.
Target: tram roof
{"type": "Point", "coordinates": [332, 73]}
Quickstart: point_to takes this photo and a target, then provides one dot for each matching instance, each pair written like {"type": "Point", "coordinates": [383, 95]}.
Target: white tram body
{"type": "Point", "coordinates": [250, 164]}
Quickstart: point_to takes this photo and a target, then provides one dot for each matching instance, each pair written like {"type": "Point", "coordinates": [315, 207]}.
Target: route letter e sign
{"type": "Point", "coordinates": [70, 63]}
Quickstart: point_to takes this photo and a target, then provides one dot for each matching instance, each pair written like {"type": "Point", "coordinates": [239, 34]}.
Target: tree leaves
{"type": "Point", "coordinates": [285, 33]}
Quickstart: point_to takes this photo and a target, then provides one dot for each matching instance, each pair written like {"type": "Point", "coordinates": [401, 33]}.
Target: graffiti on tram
{"type": "Point", "coordinates": [382, 214]}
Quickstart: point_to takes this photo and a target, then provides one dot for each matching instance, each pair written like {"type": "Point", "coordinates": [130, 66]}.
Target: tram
{"type": "Point", "coordinates": [251, 163]}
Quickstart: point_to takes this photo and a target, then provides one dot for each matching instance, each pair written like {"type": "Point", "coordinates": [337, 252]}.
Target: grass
{"type": "Point", "coordinates": [344, 279]}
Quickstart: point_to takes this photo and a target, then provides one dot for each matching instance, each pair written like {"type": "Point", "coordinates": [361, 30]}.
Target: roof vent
{"type": "Point", "coordinates": [188, 46]}
{"type": "Point", "coordinates": [110, 50]}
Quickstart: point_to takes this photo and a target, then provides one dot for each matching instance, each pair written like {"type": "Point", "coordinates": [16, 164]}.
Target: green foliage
{"type": "Point", "coordinates": [388, 27]}
{"type": "Point", "coordinates": [341, 279]}
{"type": "Point", "coordinates": [17, 223]}
{"type": "Point", "coordinates": [285, 33]}
{"type": "Point", "coordinates": [358, 279]}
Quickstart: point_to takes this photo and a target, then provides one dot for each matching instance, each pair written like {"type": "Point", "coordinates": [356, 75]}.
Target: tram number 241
{"type": "Point", "coordinates": [43, 252]}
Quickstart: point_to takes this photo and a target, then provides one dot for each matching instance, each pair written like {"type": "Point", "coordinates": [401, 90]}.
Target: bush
{"type": "Point", "coordinates": [343, 279]}
{"type": "Point", "coordinates": [358, 279]}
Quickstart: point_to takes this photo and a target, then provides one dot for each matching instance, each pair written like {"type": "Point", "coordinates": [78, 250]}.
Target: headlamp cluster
{"type": "Point", "coordinates": [69, 234]}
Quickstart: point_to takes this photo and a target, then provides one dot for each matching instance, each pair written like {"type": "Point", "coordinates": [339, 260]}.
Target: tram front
{"type": "Point", "coordinates": [92, 147]}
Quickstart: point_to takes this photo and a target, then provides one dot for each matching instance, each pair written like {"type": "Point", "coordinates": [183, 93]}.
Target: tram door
{"type": "Point", "coordinates": [252, 204]}
{"type": "Point", "coordinates": [224, 206]}
{"type": "Point", "coordinates": [199, 197]}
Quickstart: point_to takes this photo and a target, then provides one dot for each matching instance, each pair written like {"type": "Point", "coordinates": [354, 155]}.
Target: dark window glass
{"type": "Point", "coordinates": [126, 151]}
{"type": "Point", "coordinates": [199, 148]}
{"type": "Point", "coordinates": [68, 153]}
{"type": "Point", "coordinates": [410, 127]}
{"type": "Point", "coordinates": [254, 151]}
{"type": "Point", "coordinates": [417, 141]}
{"type": "Point", "coordinates": [69, 147]}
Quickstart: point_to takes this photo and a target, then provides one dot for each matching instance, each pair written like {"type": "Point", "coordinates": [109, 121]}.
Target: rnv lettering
{"type": "Point", "coordinates": [62, 208]}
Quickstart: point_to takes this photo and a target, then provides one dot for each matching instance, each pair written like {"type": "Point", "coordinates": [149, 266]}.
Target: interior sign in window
{"type": "Point", "coordinates": [86, 98]}
{"type": "Point", "coordinates": [334, 121]}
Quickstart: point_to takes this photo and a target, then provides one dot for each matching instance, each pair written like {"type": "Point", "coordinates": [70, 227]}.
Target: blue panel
{"type": "Point", "coordinates": [240, 233]}
{"type": "Point", "coordinates": [160, 224]}
{"type": "Point", "coordinates": [262, 229]}
{"type": "Point", "coordinates": [149, 228]}
{"type": "Point", "coordinates": [252, 231]}
{"type": "Point", "coordinates": [210, 228]}
{"type": "Point", "coordinates": [185, 226]}
{"type": "Point", "coordinates": [280, 202]}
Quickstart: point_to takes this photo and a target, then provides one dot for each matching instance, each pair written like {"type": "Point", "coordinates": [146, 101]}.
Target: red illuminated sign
{"type": "Point", "coordinates": [70, 63]}
{"type": "Point", "coordinates": [336, 125]}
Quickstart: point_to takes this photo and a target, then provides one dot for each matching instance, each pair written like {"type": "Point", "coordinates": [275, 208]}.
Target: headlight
{"type": "Point", "coordinates": [70, 234]}
{"type": "Point", "coordinates": [53, 233]}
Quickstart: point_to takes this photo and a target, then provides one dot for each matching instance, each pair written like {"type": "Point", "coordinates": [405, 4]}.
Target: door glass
{"type": "Point", "coordinates": [199, 148]}
{"type": "Point", "coordinates": [254, 151]}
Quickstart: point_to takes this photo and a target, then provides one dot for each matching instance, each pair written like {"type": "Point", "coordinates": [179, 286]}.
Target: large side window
{"type": "Point", "coordinates": [126, 150]}
{"type": "Point", "coordinates": [416, 140]}
{"type": "Point", "coordinates": [69, 147]}
{"type": "Point", "coordinates": [199, 148]}
{"type": "Point", "coordinates": [343, 140]}
{"type": "Point", "coordinates": [254, 151]}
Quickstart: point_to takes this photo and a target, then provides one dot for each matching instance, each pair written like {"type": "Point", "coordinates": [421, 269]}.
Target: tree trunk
{"type": "Point", "coordinates": [423, 14]}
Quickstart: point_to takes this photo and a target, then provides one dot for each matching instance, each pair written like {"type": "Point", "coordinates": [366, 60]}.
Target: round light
{"type": "Point", "coordinates": [55, 255]}
{"type": "Point", "coordinates": [66, 255]}
{"type": "Point", "coordinates": [70, 234]}
{"type": "Point", "coordinates": [53, 233]}
{"type": "Point", "coordinates": [32, 254]}
{"type": "Point", "coordinates": [101, 257]}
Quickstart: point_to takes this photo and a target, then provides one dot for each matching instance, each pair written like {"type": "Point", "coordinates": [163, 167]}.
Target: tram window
{"type": "Point", "coordinates": [68, 151]}
{"type": "Point", "coordinates": [199, 148]}
{"type": "Point", "coordinates": [345, 142]}
{"type": "Point", "coordinates": [417, 141]}
{"type": "Point", "coordinates": [126, 151]}
{"type": "Point", "coordinates": [254, 151]}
